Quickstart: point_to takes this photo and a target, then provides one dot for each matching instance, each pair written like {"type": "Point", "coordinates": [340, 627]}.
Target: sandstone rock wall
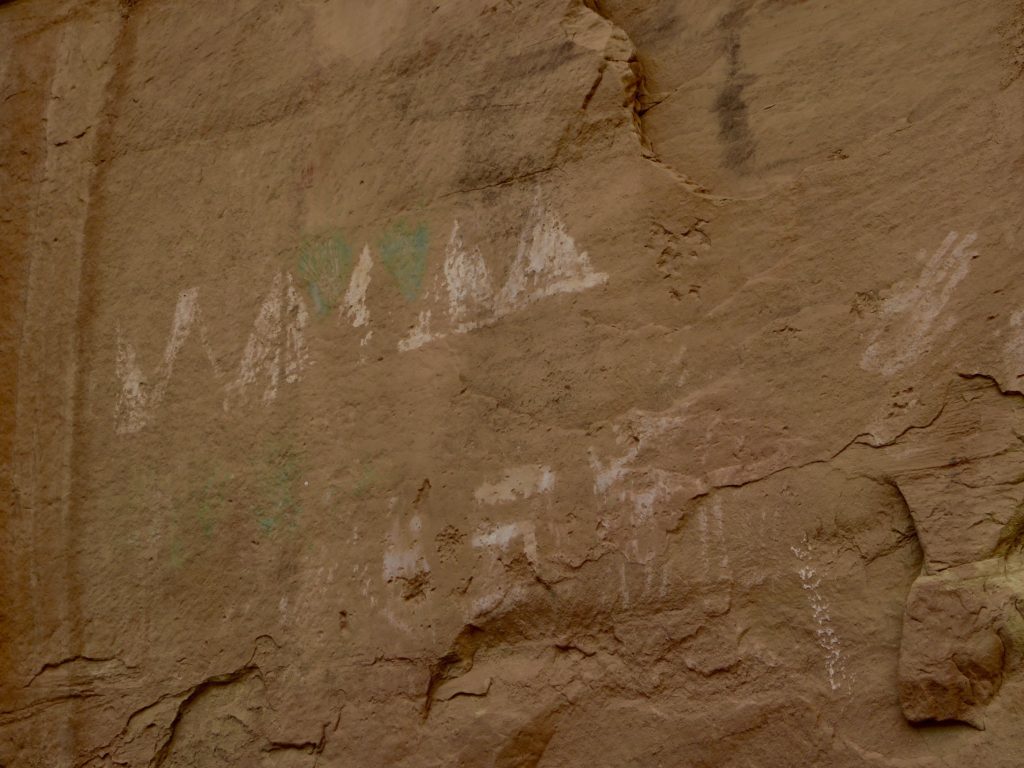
{"type": "Point", "coordinates": [511, 383]}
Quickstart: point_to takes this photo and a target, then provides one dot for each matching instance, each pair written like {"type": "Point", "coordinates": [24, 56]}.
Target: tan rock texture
{"type": "Point", "coordinates": [511, 383]}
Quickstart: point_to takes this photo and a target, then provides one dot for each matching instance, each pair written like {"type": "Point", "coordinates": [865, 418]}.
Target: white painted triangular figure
{"type": "Point", "coordinates": [354, 302]}
{"type": "Point", "coordinates": [137, 400]}
{"type": "Point", "coordinates": [262, 355]}
{"type": "Point", "coordinates": [465, 284]}
{"type": "Point", "coordinates": [275, 346]}
{"type": "Point", "coordinates": [547, 262]}
{"type": "Point", "coordinates": [469, 284]}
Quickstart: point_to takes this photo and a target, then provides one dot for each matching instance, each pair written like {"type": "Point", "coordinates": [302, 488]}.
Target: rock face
{"type": "Point", "coordinates": [511, 383]}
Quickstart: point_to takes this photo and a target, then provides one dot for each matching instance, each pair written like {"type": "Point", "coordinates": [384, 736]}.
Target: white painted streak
{"type": "Point", "coordinates": [909, 329]}
{"type": "Point", "coordinates": [403, 556]}
{"type": "Point", "coordinates": [657, 486]}
{"type": "Point", "coordinates": [642, 487]}
{"type": "Point", "coordinates": [606, 475]}
{"type": "Point", "coordinates": [714, 546]}
{"type": "Point", "coordinates": [403, 563]}
{"type": "Point", "coordinates": [719, 526]}
{"type": "Point", "coordinates": [354, 302]}
{"type": "Point", "coordinates": [516, 483]}
{"type": "Point", "coordinates": [296, 354]}
{"type": "Point", "coordinates": [490, 602]}
{"type": "Point", "coordinates": [502, 537]}
{"type": "Point", "coordinates": [130, 409]}
{"type": "Point", "coordinates": [419, 335]}
{"type": "Point", "coordinates": [624, 590]}
{"type": "Point", "coordinates": [1013, 354]}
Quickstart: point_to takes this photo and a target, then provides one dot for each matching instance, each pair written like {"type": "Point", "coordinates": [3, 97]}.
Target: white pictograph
{"type": "Point", "coordinates": [912, 319]}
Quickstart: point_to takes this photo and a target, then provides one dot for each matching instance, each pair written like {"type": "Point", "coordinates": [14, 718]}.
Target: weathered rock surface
{"type": "Point", "coordinates": [511, 383]}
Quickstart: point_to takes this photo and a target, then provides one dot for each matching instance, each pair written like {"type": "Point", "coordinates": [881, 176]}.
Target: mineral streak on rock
{"type": "Point", "coordinates": [511, 383]}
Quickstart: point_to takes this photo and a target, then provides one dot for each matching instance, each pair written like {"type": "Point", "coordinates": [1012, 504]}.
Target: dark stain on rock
{"type": "Point", "coordinates": [731, 108]}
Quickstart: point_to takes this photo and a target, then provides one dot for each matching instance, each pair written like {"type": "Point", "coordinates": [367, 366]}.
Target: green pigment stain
{"type": "Point", "coordinates": [365, 484]}
{"type": "Point", "coordinates": [403, 253]}
{"type": "Point", "coordinates": [198, 512]}
{"type": "Point", "coordinates": [210, 506]}
{"type": "Point", "coordinates": [281, 504]}
{"type": "Point", "coordinates": [325, 264]}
